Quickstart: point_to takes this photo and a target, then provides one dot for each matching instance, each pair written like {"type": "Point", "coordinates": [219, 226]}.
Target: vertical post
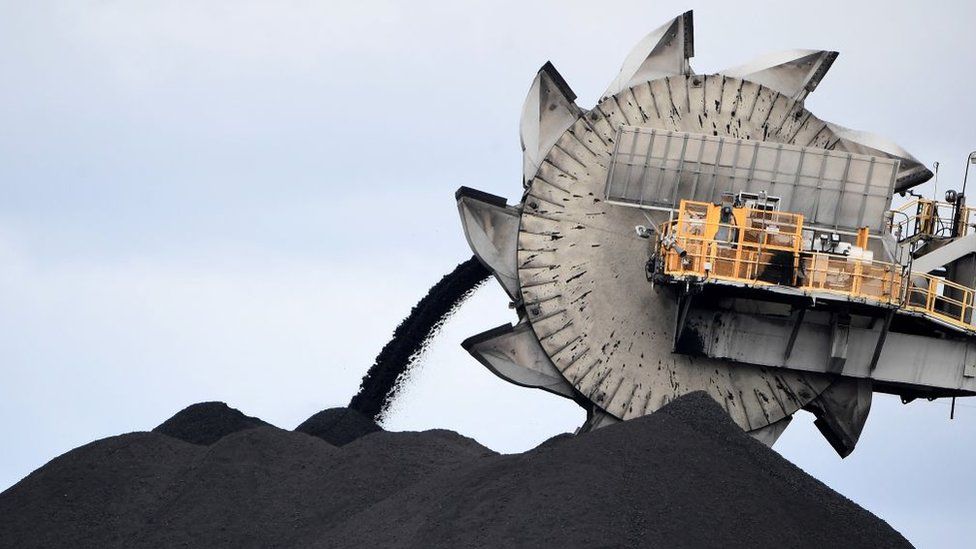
{"type": "Point", "coordinates": [681, 167]}
{"type": "Point", "coordinates": [775, 174]}
{"type": "Point", "coordinates": [965, 177]}
{"type": "Point", "coordinates": [662, 168]}
{"type": "Point", "coordinates": [718, 159]}
{"type": "Point", "coordinates": [820, 176]}
{"type": "Point", "coordinates": [735, 162]}
{"type": "Point", "coordinates": [796, 330]}
{"type": "Point", "coordinates": [885, 326]}
{"type": "Point", "coordinates": [681, 315]}
{"type": "Point", "coordinates": [698, 172]}
{"type": "Point", "coordinates": [867, 183]}
{"type": "Point", "coordinates": [843, 189]}
{"type": "Point", "coordinates": [630, 159]}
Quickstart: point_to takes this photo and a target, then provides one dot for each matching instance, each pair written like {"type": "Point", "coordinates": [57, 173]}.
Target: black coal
{"type": "Point", "coordinates": [685, 476]}
{"type": "Point", "coordinates": [338, 426]}
{"type": "Point", "coordinates": [413, 335]}
{"type": "Point", "coordinates": [206, 423]}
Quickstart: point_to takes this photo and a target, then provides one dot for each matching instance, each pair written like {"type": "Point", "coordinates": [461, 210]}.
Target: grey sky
{"type": "Point", "coordinates": [239, 200]}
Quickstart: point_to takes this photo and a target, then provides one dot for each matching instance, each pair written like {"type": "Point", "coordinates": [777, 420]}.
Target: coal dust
{"type": "Point", "coordinates": [412, 337]}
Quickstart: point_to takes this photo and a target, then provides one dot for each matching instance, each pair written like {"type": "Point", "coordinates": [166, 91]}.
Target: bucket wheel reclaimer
{"type": "Point", "coordinates": [591, 327]}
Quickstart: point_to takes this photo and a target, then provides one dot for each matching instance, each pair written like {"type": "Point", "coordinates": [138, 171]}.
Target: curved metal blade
{"type": "Point", "coordinates": [596, 419]}
{"type": "Point", "coordinates": [491, 229]}
{"type": "Point", "coordinates": [911, 172]}
{"type": "Point", "coordinates": [794, 73]}
{"type": "Point", "coordinates": [549, 110]}
{"type": "Point", "coordinates": [841, 411]}
{"type": "Point", "coordinates": [514, 354]}
{"type": "Point", "coordinates": [663, 52]}
{"type": "Point", "coordinates": [769, 434]}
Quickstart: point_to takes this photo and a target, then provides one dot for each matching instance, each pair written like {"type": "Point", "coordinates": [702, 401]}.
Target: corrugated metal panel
{"type": "Point", "coordinates": [656, 168]}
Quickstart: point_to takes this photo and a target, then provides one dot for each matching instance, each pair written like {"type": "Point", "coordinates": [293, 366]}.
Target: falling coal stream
{"type": "Point", "coordinates": [413, 335]}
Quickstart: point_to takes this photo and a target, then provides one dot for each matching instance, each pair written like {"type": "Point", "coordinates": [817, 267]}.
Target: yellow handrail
{"type": "Point", "coordinates": [942, 299]}
{"type": "Point", "coordinates": [923, 217]}
{"type": "Point", "coordinates": [695, 246]}
{"type": "Point", "coordinates": [755, 264]}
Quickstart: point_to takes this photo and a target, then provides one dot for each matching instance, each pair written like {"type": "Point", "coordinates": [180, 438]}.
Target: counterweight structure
{"type": "Point", "coordinates": [707, 232]}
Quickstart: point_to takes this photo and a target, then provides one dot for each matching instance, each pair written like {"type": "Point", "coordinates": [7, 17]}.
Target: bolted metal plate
{"type": "Point", "coordinates": [581, 266]}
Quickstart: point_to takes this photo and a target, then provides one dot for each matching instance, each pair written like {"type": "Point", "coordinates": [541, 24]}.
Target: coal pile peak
{"type": "Point", "coordinates": [685, 476]}
{"type": "Point", "coordinates": [206, 422]}
{"type": "Point", "coordinates": [338, 426]}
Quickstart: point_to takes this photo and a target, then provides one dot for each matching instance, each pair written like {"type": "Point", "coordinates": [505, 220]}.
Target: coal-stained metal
{"type": "Point", "coordinates": [578, 251]}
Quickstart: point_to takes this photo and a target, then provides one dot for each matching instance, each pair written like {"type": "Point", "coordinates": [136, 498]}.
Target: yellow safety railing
{"type": "Point", "coordinates": [758, 254]}
{"type": "Point", "coordinates": [756, 245]}
{"type": "Point", "coordinates": [697, 255]}
{"type": "Point", "coordinates": [751, 227]}
{"type": "Point", "coordinates": [929, 218]}
{"type": "Point", "coordinates": [753, 264]}
{"type": "Point", "coordinates": [857, 278]}
{"type": "Point", "coordinates": [942, 299]}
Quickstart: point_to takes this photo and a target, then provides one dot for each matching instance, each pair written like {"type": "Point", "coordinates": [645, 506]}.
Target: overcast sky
{"type": "Point", "coordinates": [239, 200]}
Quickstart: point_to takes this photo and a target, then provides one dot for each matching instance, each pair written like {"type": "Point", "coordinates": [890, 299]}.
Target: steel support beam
{"type": "Point", "coordinates": [945, 255]}
{"type": "Point", "coordinates": [797, 322]}
{"type": "Point", "coordinates": [885, 327]}
{"type": "Point", "coordinates": [840, 335]}
{"type": "Point", "coordinates": [681, 317]}
{"type": "Point", "coordinates": [902, 359]}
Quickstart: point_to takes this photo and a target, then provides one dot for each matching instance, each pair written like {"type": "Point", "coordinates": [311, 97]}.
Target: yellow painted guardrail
{"type": "Point", "coordinates": [941, 299]}
{"type": "Point", "coordinates": [765, 251]}
{"type": "Point", "coordinates": [933, 218]}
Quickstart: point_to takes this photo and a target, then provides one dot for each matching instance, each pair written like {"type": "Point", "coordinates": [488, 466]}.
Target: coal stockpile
{"type": "Point", "coordinates": [412, 336]}
{"type": "Point", "coordinates": [338, 426]}
{"type": "Point", "coordinates": [685, 476]}
{"type": "Point", "coordinates": [206, 423]}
